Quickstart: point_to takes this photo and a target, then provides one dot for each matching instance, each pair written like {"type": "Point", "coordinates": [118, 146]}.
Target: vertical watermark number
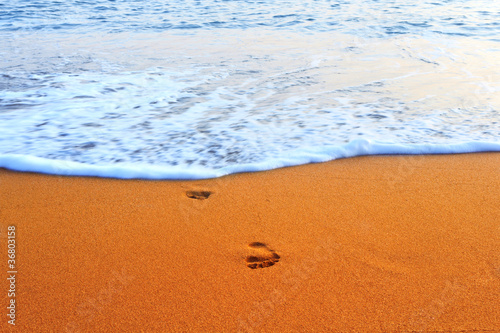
{"type": "Point", "coordinates": [11, 274]}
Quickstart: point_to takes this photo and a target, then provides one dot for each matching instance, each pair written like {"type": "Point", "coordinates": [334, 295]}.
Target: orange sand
{"type": "Point", "coordinates": [367, 244]}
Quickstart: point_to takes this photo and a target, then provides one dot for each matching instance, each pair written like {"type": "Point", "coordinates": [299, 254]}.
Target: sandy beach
{"type": "Point", "coordinates": [366, 244]}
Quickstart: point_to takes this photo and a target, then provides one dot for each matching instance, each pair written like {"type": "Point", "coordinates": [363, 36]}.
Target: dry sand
{"type": "Point", "coordinates": [367, 244]}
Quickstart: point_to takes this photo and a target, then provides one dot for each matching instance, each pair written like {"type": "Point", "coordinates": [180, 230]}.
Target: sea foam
{"type": "Point", "coordinates": [359, 147]}
{"type": "Point", "coordinates": [146, 93]}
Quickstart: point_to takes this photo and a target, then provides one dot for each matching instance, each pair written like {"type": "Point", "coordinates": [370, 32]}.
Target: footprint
{"type": "Point", "coordinates": [261, 256]}
{"type": "Point", "coordinates": [200, 195]}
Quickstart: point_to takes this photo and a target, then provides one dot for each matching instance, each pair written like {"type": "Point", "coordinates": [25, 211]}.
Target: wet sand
{"type": "Point", "coordinates": [367, 244]}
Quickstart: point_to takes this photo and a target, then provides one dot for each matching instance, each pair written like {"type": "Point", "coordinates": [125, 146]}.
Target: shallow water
{"type": "Point", "coordinates": [200, 89]}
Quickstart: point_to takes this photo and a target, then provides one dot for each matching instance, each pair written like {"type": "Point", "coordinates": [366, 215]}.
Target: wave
{"type": "Point", "coordinates": [360, 147]}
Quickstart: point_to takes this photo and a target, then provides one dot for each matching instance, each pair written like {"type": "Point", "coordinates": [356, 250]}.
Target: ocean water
{"type": "Point", "coordinates": [200, 89]}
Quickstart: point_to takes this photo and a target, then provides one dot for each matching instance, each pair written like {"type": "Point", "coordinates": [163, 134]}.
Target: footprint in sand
{"type": "Point", "coordinates": [200, 195]}
{"type": "Point", "coordinates": [261, 256]}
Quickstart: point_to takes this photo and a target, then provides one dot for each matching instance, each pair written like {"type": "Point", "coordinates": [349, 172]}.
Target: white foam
{"type": "Point", "coordinates": [359, 147]}
{"type": "Point", "coordinates": [159, 114]}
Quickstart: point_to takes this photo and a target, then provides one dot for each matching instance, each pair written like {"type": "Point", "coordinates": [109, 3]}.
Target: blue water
{"type": "Point", "coordinates": [363, 18]}
{"type": "Point", "coordinates": [199, 89]}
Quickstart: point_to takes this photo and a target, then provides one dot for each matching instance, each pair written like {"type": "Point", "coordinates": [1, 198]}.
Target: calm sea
{"type": "Point", "coordinates": [197, 89]}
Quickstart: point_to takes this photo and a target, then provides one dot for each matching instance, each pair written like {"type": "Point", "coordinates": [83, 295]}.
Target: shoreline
{"type": "Point", "coordinates": [355, 148]}
{"type": "Point", "coordinates": [369, 243]}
